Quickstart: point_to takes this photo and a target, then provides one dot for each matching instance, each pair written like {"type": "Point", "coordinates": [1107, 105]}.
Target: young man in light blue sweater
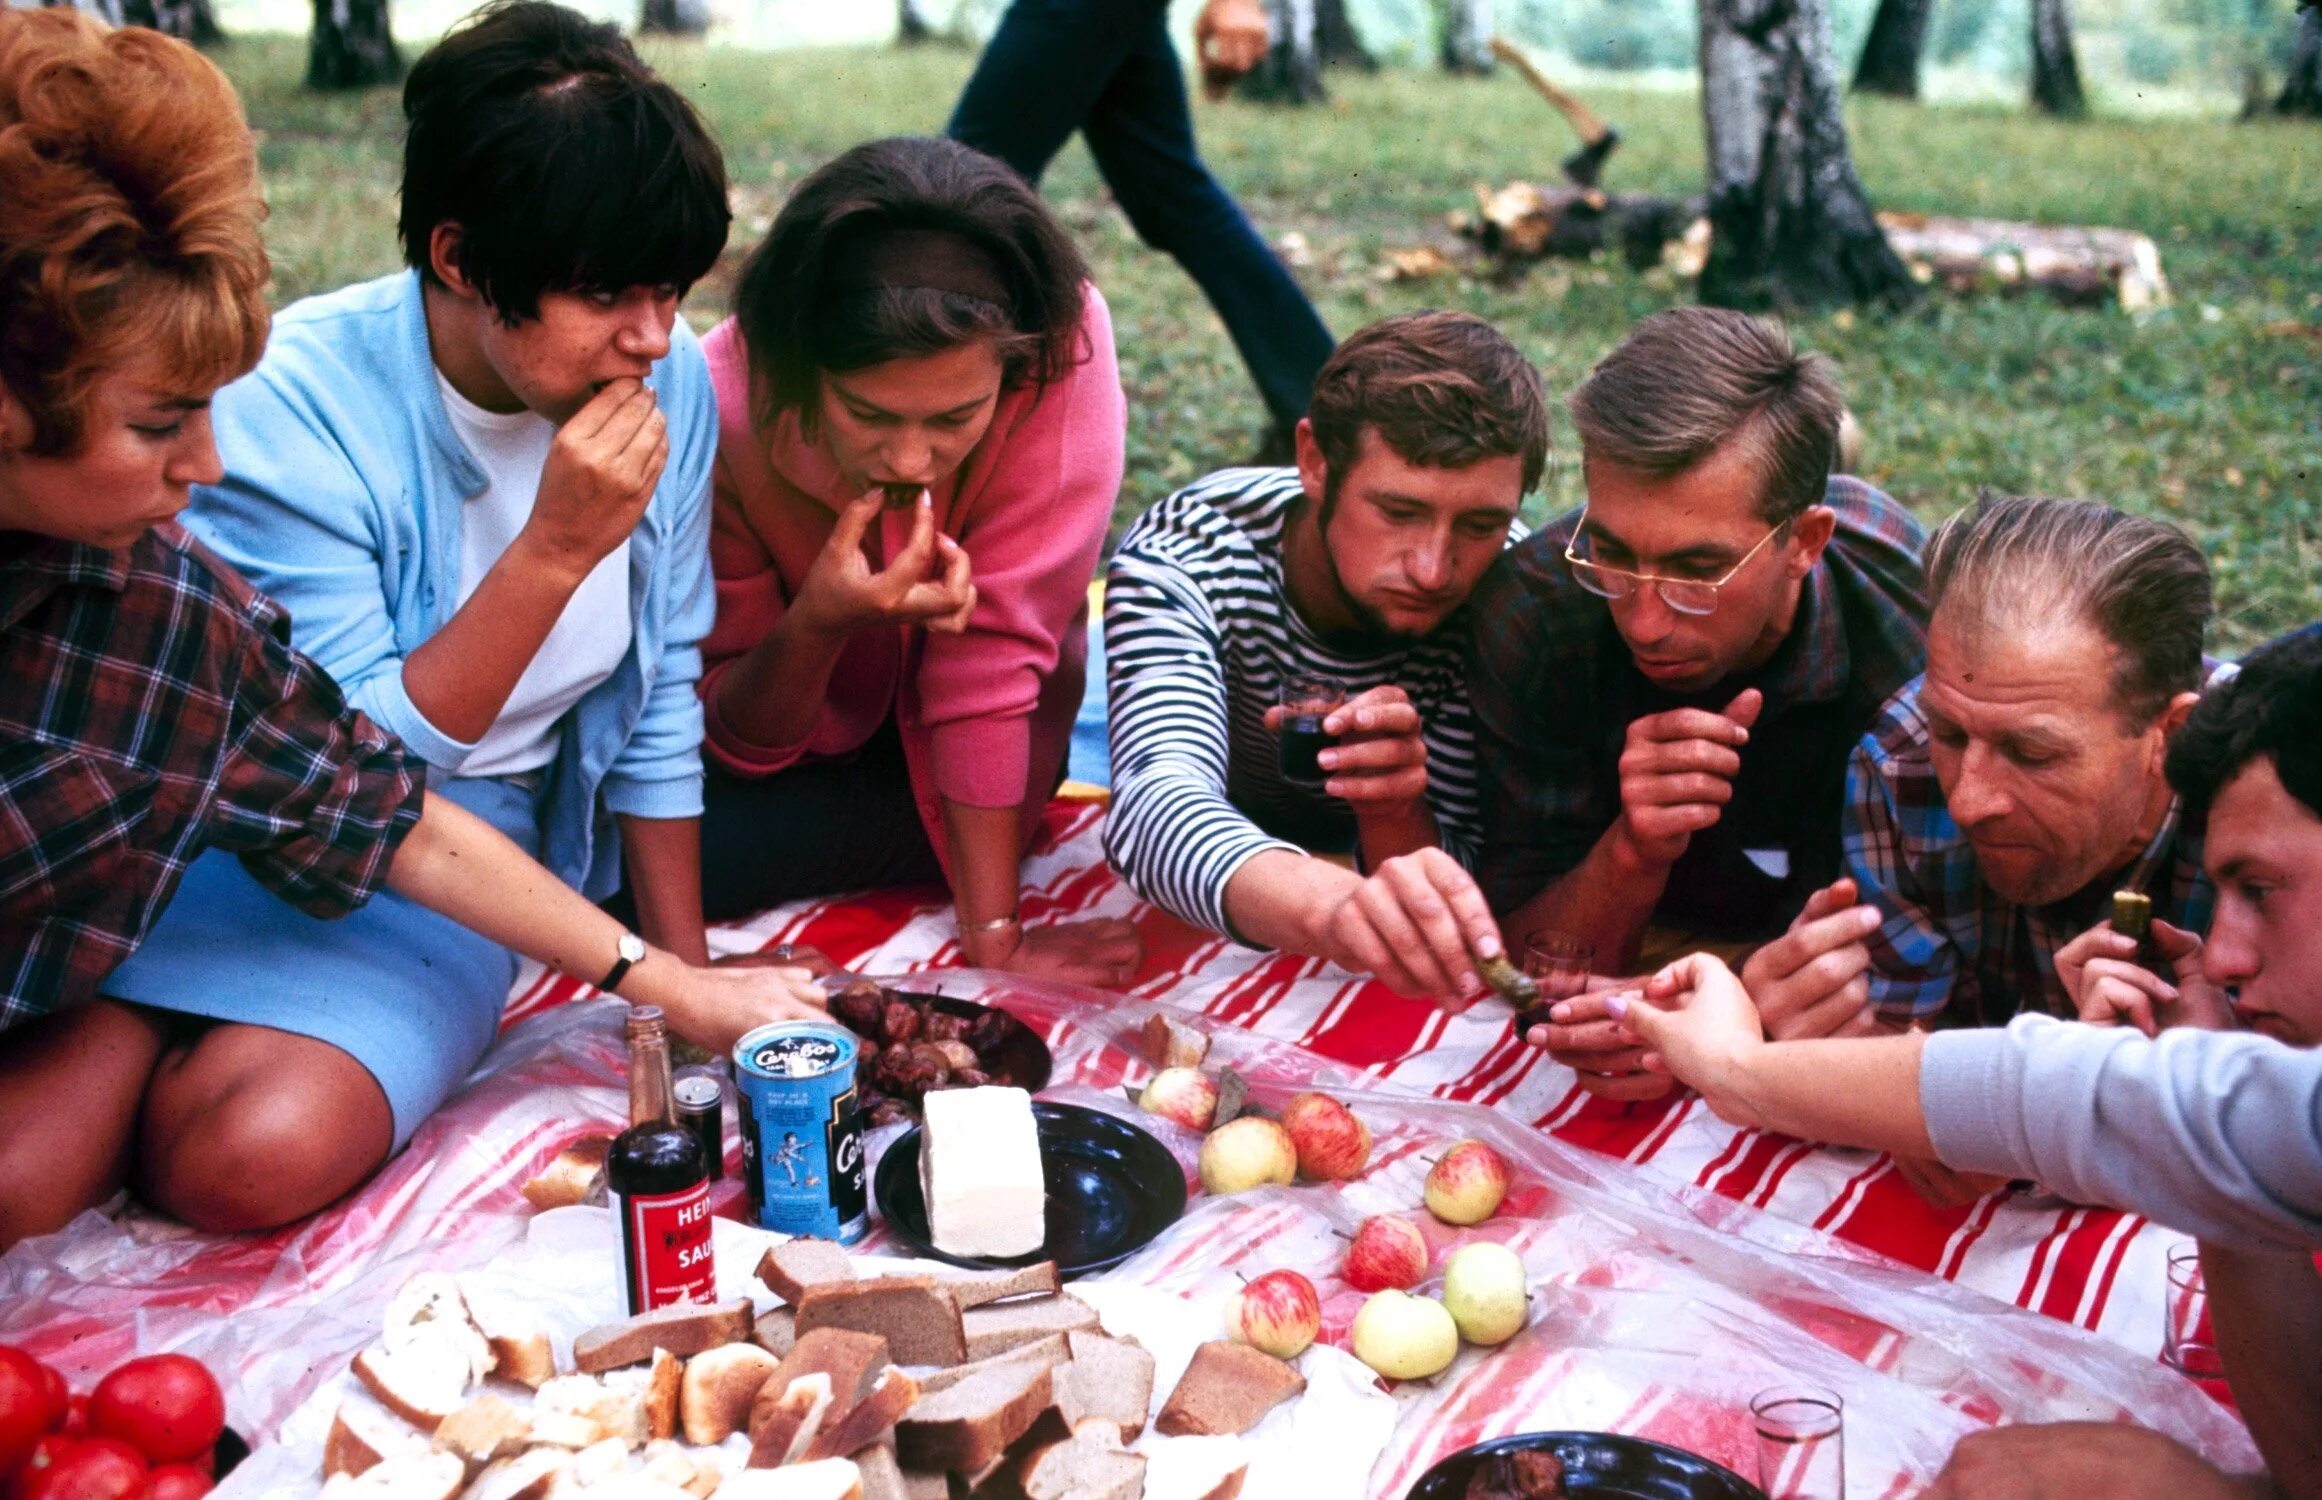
{"type": "Point", "coordinates": [2215, 1132]}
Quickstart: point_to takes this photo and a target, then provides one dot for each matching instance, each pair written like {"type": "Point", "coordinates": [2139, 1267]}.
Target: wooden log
{"type": "Point", "coordinates": [2079, 266]}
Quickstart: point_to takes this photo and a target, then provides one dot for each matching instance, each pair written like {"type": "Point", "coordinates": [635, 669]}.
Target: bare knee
{"type": "Point", "coordinates": [69, 1091]}
{"type": "Point", "coordinates": [229, 1147]}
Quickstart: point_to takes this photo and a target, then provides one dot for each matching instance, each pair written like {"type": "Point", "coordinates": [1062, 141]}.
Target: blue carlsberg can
{"type": "Point", "coordinates": [802, 1129]}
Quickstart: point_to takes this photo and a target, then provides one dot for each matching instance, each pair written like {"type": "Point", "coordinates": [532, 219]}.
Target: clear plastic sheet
{"type": "Point", "coordinates": [1655, 1313]}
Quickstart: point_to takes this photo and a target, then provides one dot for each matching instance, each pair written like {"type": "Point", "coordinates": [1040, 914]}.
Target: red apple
{"type": "Point", "coordinates": [1467, 1183]}
{"type": "Point", "coordinates": [1277, 1314]}
{"type": "Point", "coordinates": [1247, 1153]}
{"type": "Point", "coordinates": [1388, 1252]}
{"type": "Point", "coordinates": [1334, 1145]}
{"type": "Point", "coordinates": [1185, 1095]}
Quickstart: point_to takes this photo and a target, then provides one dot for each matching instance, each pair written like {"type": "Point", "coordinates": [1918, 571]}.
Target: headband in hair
{"type": "Point", "coordinates": [935, 260]}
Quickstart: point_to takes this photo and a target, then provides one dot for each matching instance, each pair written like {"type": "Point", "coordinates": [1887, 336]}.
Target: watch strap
{"type": "Point", "coordinates": [632, 948]}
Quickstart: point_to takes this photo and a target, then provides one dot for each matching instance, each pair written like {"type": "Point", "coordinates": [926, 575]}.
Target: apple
{"type": "Point", "coordinates": [1277, 1314]}
{"type": "Point", "coordinates": [1334, 1145]}
{"type": "Point", "coordinates": [1484, 1291]}
{"type": "Point", "coordinates": [1246, 1153]}
{"type": "Point", "coordinates": [1466, 1183]}
{"type": "Point", "coordinates": [1185, 1095]}
{"type": "Point", "coordinates": [1405, 1337]}
{"type": "Point", "coordinates": [1387, 1251]}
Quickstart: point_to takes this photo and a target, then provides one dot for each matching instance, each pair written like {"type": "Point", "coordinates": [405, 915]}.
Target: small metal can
{"type": "Point", "coordinates": [698, 1097]}
{"type": "Point", "coordinates": [802, 1129]}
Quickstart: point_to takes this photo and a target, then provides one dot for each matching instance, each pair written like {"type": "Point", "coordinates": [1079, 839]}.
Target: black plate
{"type": "Point", "coordinates": [1598, 1466]}
{"type": "Point", "coordinates": [1111, 1189]}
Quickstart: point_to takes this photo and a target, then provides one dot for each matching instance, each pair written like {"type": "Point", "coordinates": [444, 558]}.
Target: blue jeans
{"type": "Point", "coordinates": [1107, 68]}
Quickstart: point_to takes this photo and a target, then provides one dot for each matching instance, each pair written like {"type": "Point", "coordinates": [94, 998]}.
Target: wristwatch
{"type": "Point", "coordinates": [632, 951]}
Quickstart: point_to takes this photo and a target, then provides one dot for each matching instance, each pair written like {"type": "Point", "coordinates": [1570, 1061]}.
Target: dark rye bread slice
{"type": "Point", "coordinates": [1049, 1350]}
{"type": "Point", "coordinates": [977, 1289]}
{"type": "Point", "coordinates": [684, 1330]}
{"type": "Point", "coordinates": [849, 1364]}
{"type": "Point", "coordinates": [916, 1315]}
{"type": "Point", "coordinates": [1005, 1325]}
{"type": "Point", "coordinates": [870, 1420]}
{"type": "Point", "coordinates": [790, 1268]}
{"type": "Point", "coordinates": [1228, 1388]}
{"type": "Point", "coordinates": [970, 1426]}
{"type": "Point", "coordinates": [1108, 1379]}
{"type": "Point", "coordinates": [1055, 1461]}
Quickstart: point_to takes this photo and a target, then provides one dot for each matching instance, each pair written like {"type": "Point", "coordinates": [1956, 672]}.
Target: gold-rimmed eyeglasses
{"type": "Point", "coordinates": [1687, 596]}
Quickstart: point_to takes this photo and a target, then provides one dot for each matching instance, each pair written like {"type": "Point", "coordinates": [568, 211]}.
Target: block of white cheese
{"type": "Point", "coordinates": [979, 1166]}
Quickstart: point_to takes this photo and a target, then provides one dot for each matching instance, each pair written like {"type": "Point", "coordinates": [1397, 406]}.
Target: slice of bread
{"type": "Point", "coordinates": [684, 1330]}
{"type": "Point", "coordinates": [782, 1425]}
{"type": "Point", "coordinates": [849, 1363]}
{"type": "Point", "coordinates": [1228, 1388]}
{"type": "Point", "coordinates": [969, 1426]}
{"type": "Point", "coordinates": [563, 1429]}
{"type": "Point", "coordinates": [410, 1476]}
{"type": "Point", "coordinates": [1048, 1349]}
{"type": "Point", "coordinates": [791, 1267]}
{"type": "Point", "coordinates": [715, 1394]}
{"type": "Point", "coordinates": [1005, 1325]}
{"type": "Point", "coordinates": [423, 1383]}
{"type": "Point", "coordinates": [617, 1407]}
{"type": "Point", "coordinates": [978, 1288]}
{"type": "Point", "coordinates": [487, 1428]}
{"type": "Point", "coordinates": [775, 1331]}
{"type": "Point", "coordinates": [429, 1307]}
{"type": "Point", "coordinates": [1108, 1379]}
{"type": "Point", "coordinates": [825, 1479]}
{"type": "Point", "coordinates": [1173, 1044]}
{"type": "Point", "coordinates": [1089, 1465]}
{"type": "Point", "coordinates": [662, 1383]}
{"type": "Point", "coordinates": [364, 1433]}
{"type": "Point", "coordinates": [882, 1473]}
{"type": "Point", "coordinates": [526, 1476]}
{"type": "Point", "coordinates": [916, 1315]}
{"type": "Point", "coordinates": [524, 1358]}
{"type": "Point", "coordinates": [869, 1420]}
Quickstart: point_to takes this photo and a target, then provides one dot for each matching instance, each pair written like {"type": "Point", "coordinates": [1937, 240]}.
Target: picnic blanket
{"type": "Point", "coordinates": [1683, 1262]}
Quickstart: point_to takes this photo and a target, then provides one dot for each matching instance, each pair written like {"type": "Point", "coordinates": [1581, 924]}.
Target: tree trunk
{"type": "Point", "coordinates": [1467, 36]}
{"type": "Point", "coordinates": [1335, 38]}
{"type": "Point", "coordinates": [352, 46]}
{"type": "Point", "coordinates": [2302, 95]}
{"type": "Point", "coordinates": [1890, 56]}
{"type": "Point", "coordinates": [2055, 68]}
{"type": "Point", "coordinates": [911, 27]}
{"type": "Point", "coordinates": [1790, 224]}
{"type": "Point", "coordinates": [187, 20]}
{"type": "Point", "coordinates": [1292, 71]}
{"type": "Point", "coordinates": [679, 17]}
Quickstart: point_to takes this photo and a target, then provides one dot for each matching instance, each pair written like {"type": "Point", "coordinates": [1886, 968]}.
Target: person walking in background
{"type": "Point", "coordinates": [1110, 71]}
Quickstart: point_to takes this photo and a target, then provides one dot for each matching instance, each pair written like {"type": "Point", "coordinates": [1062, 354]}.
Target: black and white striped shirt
{"type": "Point", "coordinates": [1199, 638]}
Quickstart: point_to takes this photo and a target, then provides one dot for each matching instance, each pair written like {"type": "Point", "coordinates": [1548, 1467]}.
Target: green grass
{"type": "Point", "coordinates": [2208, 413]}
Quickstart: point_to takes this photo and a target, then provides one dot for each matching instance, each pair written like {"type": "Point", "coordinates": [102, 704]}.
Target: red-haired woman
{"type": "Point", "coordinates": [150, 707]}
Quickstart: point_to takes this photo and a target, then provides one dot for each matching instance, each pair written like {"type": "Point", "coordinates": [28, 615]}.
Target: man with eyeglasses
{"type": "Point", "coordinates": [1668, 683]}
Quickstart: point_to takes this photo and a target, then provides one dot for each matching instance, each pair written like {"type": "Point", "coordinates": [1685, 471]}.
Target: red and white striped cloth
{"type": "Point", "coordinates": [1673, 1296]}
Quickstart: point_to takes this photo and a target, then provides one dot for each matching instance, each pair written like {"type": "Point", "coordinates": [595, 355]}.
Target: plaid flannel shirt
{"type": "Point", "coordinates": [151, 707]}
{"type": "Point", "coordinates": [1952, 951]}
{"type": "Point", "coordinates": [1555, 690]}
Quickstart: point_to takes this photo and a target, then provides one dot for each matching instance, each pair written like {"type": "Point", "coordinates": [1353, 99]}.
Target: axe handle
{"type": "Point", "coordinates": [1585, 123]}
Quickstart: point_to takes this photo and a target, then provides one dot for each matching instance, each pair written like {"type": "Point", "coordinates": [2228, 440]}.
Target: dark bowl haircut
{"type": "Point", "coordinates": [567, 165]}
{"type": "Point", "coordinates": [2270, 710]}
{"type": "Point", "coordinates": [906, 247]}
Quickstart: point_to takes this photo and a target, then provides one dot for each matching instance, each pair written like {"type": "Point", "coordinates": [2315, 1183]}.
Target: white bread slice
{"type": "Point", "coordinates": [617, 1407]}
{"type": "Point", "coordinates": [824, 1479]}
{"type": "Point", "coordinates": [430, 1306]}
{"type": "Point", "coordinates": [714, 1398]}
{"type": "Point", "coordinates": [423, 1383]}
{"type": "Point", "coordinates": [485, 1429]}
{"type": "Point", "coordinates": [410, 1476]}
{"type": "Point", "coordinates": [599, 1461]}
{"type": "Point", "coordinates": [527, 1476]}
{"type": "Point", "coordinates": [527, 1359]}
{"type": "Point", "coordinates": [664, 1460]}
{"type": "Point", "coordinates": [849, 1362]}
{"type": "Point", "coordinates": [564, 1429]}
{"type": "Point", "coordinates": [662, 1383]}
{"type": "Point", "coordinates": [362, 1434]}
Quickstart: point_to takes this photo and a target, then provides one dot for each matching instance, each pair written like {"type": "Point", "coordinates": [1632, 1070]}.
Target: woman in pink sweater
{"type": "Point", "coordinates": [921, 429]}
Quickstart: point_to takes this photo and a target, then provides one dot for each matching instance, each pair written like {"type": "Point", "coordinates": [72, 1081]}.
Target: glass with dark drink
{"type": "Point", "coordinates": [1306, 702]}
{"type": "Point", "coordinates": [659, 1181]}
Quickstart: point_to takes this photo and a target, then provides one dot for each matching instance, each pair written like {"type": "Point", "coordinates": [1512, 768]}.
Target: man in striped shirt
{"type": "Point", "coordinates": [1425, 433]}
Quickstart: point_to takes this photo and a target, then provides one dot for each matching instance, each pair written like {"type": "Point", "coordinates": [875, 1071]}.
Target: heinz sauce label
{"type": "Point", "coordinates": [665, 1244]}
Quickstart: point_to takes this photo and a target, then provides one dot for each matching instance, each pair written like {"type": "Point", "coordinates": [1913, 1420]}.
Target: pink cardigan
{"type": "Point", "coordinates": [985, 716]}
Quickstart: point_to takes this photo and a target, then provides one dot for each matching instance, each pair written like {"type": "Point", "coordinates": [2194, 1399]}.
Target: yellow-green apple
{"type": "Point", "coordinates": [1185, 1095]}
{"type": "Point", "coordinates": [1405, 1337]}
{"type": "Point", "coordinates": [1387, 1251]}
{"type": "Point", "coordinates": [1277, 1314]}
{"type": "Point", "coordinates": [1483, 1289]}
{"type": "Point", "coordinates": [1246, 1153]}
{"type": "Point", "coordinates": [1334, 1145]}
{"type": "Point", "coordinates": [1466, 1183]}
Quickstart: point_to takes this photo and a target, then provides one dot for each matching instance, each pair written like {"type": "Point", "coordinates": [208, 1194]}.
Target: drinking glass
{"type": "Point", "coordinates": [1801, 1443]}
{"type": "Point", "coordinates": [1559, 963]}
{"type": "Point", "coordinates": [2187, 1345]}
{"type": "Point", "coordinates": [1306, 702]}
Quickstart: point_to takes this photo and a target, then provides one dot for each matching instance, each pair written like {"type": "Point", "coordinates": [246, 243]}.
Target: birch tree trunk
{"type": "Point", "coordinates": [1890, 55]}
{"type": "Point", "coordinates": [187, 20]}
{"type": "Point", "coordinates": [352, 46]}
{"type": "Point", "coordinates": [677, 17]}
{"type": "Point", "coordinates": [1336, 40]}
{"type": "Point", "coordinates": [1467, 36]}
{"type": "Point", "coordinates": [2055, 67]}
{"type": "Point", "coordinates": [1790, 224]}
{"type": "Point", "coordinates": [2302, 94]}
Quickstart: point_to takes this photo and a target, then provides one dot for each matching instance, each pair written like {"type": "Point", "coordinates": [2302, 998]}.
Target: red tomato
{"type": "Point", "coordinates": [44, 1453]}
{"type": "Point", "coordinates": [94, 1468]}
{"type": "Point", "coordinates": [167, 1405]}
{"type": "Point", "coordinates": [176, 1482]}
{"type": "Point", "coordinates": [75, 1422]}
{"type": "Point", "coordinates": [29, 1405]}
